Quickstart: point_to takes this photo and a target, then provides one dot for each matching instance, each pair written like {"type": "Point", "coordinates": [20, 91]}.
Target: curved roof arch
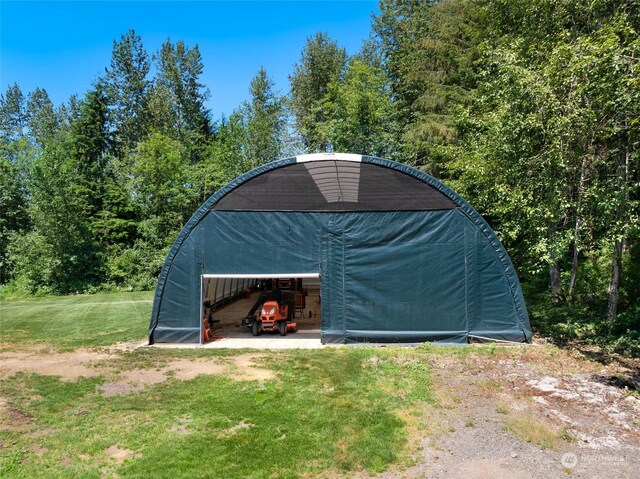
{"type": "Point", "coordinates": [473, 216]}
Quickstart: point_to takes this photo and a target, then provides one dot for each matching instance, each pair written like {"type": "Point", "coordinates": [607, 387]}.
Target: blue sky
{"type": "Point", "coordinates": [64, 46]}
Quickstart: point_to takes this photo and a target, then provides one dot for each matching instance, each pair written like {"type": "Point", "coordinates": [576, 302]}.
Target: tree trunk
{"type": "Point", "coordinates": [614, 284]}
{"type": "Point", "coordinates": [618, 247]}
{"type": "Point", "coordinates": [576, 234]}
{"type": "Point", "coordinates": [555, 281]}
{"type": "Point", "coordinates": [574, 266]}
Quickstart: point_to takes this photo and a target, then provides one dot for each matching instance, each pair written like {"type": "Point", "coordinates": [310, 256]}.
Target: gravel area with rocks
{"type": "Point", "coordinates": [587, 408]}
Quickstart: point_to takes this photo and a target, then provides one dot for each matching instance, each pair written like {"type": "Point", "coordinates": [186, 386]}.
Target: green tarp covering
{"type": "Point", "coordinates": [433, 271]}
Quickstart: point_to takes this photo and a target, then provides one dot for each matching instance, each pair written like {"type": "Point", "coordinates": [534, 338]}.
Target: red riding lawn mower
{"type": "Point", "coordinates": [277, 309]}
{"type": "Point", "coordinates": [273, 317]}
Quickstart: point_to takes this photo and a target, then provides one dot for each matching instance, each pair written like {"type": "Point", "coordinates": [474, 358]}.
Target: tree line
{"type": "Point", "coordinates": [529, 108]}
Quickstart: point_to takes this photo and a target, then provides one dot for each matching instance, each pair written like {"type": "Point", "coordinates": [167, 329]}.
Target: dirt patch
{"type": "Point", "coordinates": [127, 345]}
{"type": "Point", "coordinates": [12, 418]}
{"type": "Point", "coordinates": [128, 382]}
{"type": "Point", "coordinates": [495, 469]}
{"type": "Point", "coordinates": [145, 377]}
{"type": "Point", "coordinates": [39, 434]}
{"type": "Point", "coordinates": [118, 455]}
{"type": "Point", "coordinates": [247, 369]}
{"type": "Point", "coordinates": [185, 369]}
{"type": "Point", "coordinates": [36, 449]}
{"type": "Point", "coordinates": [32, 348]}
{"type": "Point", "coordinates": [67, 366]}
{"type": "Point", "coordinates": [118, 388]}
{"type": "Point", "coordinates": [238, 368]}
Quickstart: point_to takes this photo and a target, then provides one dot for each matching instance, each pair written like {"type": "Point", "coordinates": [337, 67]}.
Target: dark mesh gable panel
{"type": "Point", "coordinates": [334, 186]}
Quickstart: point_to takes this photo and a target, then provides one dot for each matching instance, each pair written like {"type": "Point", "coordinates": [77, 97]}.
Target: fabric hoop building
{"type": "Point", "coordinates": [400, 256]}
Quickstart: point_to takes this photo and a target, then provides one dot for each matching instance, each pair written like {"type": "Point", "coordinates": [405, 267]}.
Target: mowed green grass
{"type": "Point", "coordinates": [76, 321]}
{"type": "Point", "coordinates": [327, 412]}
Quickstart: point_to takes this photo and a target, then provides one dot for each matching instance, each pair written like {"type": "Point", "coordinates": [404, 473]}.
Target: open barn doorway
{"type": "Point", "coordinates": [274, 310]}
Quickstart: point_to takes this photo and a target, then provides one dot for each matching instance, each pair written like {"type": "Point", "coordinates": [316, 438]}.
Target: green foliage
{"type": "Point", "coordinates": [12, 115]}
{"type": "Point", "coordinates": [34, 263]}
{"type": "Point", "coordinates": [430, 50]}
{"type": "Point", "coordinates": [179, 69]}
{"type": "Point", "coordinates": [624, 332]}
{"type": "Point", "coordinates": [109, 179]}
{"type": "Point", "coordinates": [224, 158]}
{"type": "Point", "coordinates": [127, 87]}
{"type": "Point", "coordinates": [116, 223]}
{"type": "Point", "coordinates": [160, 187]}
{"type": "Point", "coordinates": [359, 111]}
{"type": "Point", "coordinates": [322, 62]}
{"type": "Point", "coordinates": [90, 139]}
{"type": "Point", "coordinates": [253, 135]}
{"type": "Point", "coordinates": [549, 142]}
{"type": "Point", "coordinates": [41, 117]}
{"type": "Point", "coordinates": [14, 217]}
{"type": "Point", "coordinates": [137, 267]}
{"type": "Point", "coordinates": [581, 322]}
{"type": "Point", "coordinates": [265, 122]}
{"type": "Point", "coordinates": [162, 116]}
{"type": "Point", "coordinates": [59, 209]}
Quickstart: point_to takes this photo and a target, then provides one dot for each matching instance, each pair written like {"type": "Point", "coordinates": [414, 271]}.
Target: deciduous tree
{"type": "Point", "coordinates": [322, 62]}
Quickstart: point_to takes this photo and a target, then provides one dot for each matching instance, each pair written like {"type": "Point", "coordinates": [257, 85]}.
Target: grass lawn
{"type": "Point", "coordinates": [73, 405]}
{"type": "Point", "coordinates": [317, 412]}
{"type": "Point", "coordinates": [82, 320]}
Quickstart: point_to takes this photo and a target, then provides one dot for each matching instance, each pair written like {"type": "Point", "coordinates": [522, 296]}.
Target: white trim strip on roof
{"type": "Point", "coordinates": [263, 275]}
{"type": "Point", "coordinates": [328, 156]}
